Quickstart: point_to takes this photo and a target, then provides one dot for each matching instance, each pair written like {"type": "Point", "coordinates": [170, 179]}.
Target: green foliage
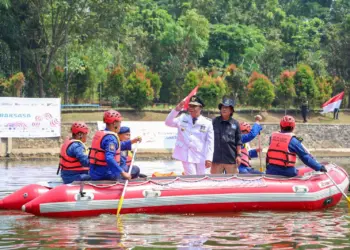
{"type": "Point", "coordinates": [260, 91]}
{"type": "Point", "coordinates": [115, 84]}
{"type": "Point", "coordinates": [237, 82]}
{"type": "Point", "coordinates": [193, 79]}
{"type": "Point", "coordinates": [138, 89]}
{"type": "Point", "coordinates": [305, 83]}
{"type": "Point", "coordinates": [285, 89]}
{"type": "Point", "coordinates": [324, 85]}
{"type": "Point", "coordinates": [211, 88]}
{"type": "Point", "coordinates": [235, 44]}
{"type": "Point", "coordinates": [13, 85]}
{"type": "Point", "coordinates": [156, 83]}
{"type": "Point", "coordinates": [173, 38]}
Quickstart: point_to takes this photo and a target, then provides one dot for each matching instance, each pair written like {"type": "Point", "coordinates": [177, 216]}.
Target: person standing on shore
{"type": "Point", "coordinates": [227, 143]}
{"type": "Point", "coordinates": [195, 138]}
{"type": "Point", "coordinates": [304, 109]}
{"type": "Point", "coordinates": [105, 150]}
{"type": "Point", "coordinates": [74, 161]}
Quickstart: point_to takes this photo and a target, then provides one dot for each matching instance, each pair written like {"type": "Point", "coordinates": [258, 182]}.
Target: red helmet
{"type": "Point", "coordinates": [245, 127]}
{"type": "Point", "coordinates": [79, 127]}
{"type": "Point", "coordinates": [111, 115]}
{"type": "Point", "coordinates": [287, 121]}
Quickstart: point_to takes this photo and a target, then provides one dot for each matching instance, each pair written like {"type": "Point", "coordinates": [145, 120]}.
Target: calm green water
{"type": "Point", "coordinates": [328, 229]}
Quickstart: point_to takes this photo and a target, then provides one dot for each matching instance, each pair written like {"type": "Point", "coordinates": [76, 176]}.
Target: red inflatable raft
{"type": "Point", "coordinates": [195, 194]}
{"type": "Point", "coordinates": [16, 200]}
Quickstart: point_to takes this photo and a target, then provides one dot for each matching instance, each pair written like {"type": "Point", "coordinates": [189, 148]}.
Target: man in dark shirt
{"type": "Point", "coordinates": [304, 110]}
{"type": "Point", "coordinates": [227, 140]}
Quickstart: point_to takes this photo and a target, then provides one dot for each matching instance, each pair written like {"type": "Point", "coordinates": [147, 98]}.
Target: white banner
{"type": "Point", "coordinates": [155, 135]}
{"type": "Point", "coordinates": [30, 117]}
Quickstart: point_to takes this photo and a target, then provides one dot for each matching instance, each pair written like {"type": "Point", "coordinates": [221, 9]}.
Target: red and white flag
{"type": "Point", "coordinates": [332, 103]}
{"type": "Point", "coordinates": [187, 98]}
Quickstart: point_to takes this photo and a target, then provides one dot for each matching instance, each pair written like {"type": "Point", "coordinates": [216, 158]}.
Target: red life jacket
{"type": "Point", "coordinates": [70, 163]}
{"type": "Point", "coordinates": [245, 156]}
{"type": "Point", "coordinates": [97, 155]}
{"type": "Point", "coordinates": [278, 152]}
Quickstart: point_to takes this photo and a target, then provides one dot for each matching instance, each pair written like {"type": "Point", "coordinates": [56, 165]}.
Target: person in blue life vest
{"type": "Point", "coordinates": [283, 151]}
{"type": "Point", "coordinates": [105, 162]}
{"type": "Point", "coordinates": [248, 134]}
{"type": "Point", "coordinates": [126, 154]}
{"type": "Point", "coordinates": [74, 162]}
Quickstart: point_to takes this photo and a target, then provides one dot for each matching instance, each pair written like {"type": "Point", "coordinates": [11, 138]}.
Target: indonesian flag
{"type": "Point", "coordinates": [332, 103]}
{"type": "Point", "coordinates": [187, 98]}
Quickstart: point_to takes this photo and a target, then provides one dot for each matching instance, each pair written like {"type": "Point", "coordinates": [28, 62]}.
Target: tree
{"type": "Point", "coordinates": [305, 83]}
{"type": "Point", "coordinates": [324, 85]}
{"type": "Point", "coordinates": [140, 88]}
{"type": "Point", "coordinates": [260, 91]}
{"type": "Point", "coordinates": [183, 43]}
{"type": "Point", "coordinates": [115, 84]}
{"type": "Point", "coordinates": [13, 85]}
{"type": "Point", "coordinates": [236, 43]}
{"type": "Point", "coordinates": [285, 88]}
{"type": "Point", "coordinates": [237, 82]}
{"type": "Point", "coordinates": [211, 88]}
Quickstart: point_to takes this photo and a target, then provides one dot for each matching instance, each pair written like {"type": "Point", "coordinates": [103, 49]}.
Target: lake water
{"type": "Point", "coordinates": [327, 229]}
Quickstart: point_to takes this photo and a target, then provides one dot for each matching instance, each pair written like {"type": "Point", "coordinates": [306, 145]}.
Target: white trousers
{"type": "Point", "coordinates": [193, 168]}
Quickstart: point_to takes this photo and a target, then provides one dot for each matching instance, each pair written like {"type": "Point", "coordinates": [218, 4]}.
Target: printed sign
{"type": "Point", "coordinates": [155, 135]}
{"type": "Point", "coordinates": [30, 117]}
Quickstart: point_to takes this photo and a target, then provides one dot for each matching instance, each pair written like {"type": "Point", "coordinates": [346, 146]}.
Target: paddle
{"type": "Point", "coordinates": [261, 168]}
{"type": "Point", "coordinates": [126, 182]}
{"type": "Point", "coordinates": [335, 184]}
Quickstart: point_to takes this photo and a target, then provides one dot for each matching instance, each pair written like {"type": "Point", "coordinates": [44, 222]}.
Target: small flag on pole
{"type": "Point", "coordinates": [332, 103]}
{"type": "Point", "coordinates": [187, 98]}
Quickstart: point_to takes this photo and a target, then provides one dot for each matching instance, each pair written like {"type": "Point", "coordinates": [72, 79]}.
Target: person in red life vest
{"type": "Point", "coordinates": [105, 150]}
{"type": "Point", "coordinates": [126, 155]}
{"type": "Point", "coordinates": [248, 134]}
{"type": "Point", "coordinates": [74, 162]}
{"type": "Point", "coordinates": [283, 151]}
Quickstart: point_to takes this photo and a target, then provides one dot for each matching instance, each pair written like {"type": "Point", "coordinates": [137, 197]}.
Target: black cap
{"type": "Point", "coordinates": [195, 100]}
{"type": "Point", "coordinates": [227, 102]}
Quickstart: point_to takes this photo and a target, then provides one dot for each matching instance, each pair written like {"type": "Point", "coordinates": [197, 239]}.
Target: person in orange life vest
{"type": "Point", "coordinates": [74, 162]}
{"type": "Point", "coordinates": [105, 150]}
{"type": "Point", "coordinates": [248, 134]}
{"type": "Point", "coordinates": [283, 151]}
{"type": "Point", "coordinates": [126, 155]}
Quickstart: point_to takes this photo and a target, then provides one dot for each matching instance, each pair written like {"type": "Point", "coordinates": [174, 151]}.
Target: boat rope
{"type": "Point", "coordinates": [243, 180]}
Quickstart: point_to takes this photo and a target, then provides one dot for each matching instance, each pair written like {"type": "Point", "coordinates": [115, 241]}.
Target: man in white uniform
{"type": "Point", "coordinates": [195, 139]}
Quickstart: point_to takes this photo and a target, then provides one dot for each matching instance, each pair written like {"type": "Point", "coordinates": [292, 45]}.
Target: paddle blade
{"type": "Point", "coordinates": [120, 205]}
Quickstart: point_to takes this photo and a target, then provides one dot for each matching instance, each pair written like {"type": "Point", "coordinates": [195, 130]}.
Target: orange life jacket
{"type": "Point", "coordinates": [70, 163]}
{"type": "Point", "coordinates": [97, 155]}
{"type": "Point", "coordinates": [278, 152]}
{"type": "Point", "coordinates": [245, 156]}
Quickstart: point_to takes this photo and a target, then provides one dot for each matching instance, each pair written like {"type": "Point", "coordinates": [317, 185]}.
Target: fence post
{"type": "Point", "coordinates": [9, 146]}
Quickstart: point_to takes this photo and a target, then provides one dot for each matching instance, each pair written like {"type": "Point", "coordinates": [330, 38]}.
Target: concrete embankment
{"type": "Point", "coordinates": [320, 139]}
